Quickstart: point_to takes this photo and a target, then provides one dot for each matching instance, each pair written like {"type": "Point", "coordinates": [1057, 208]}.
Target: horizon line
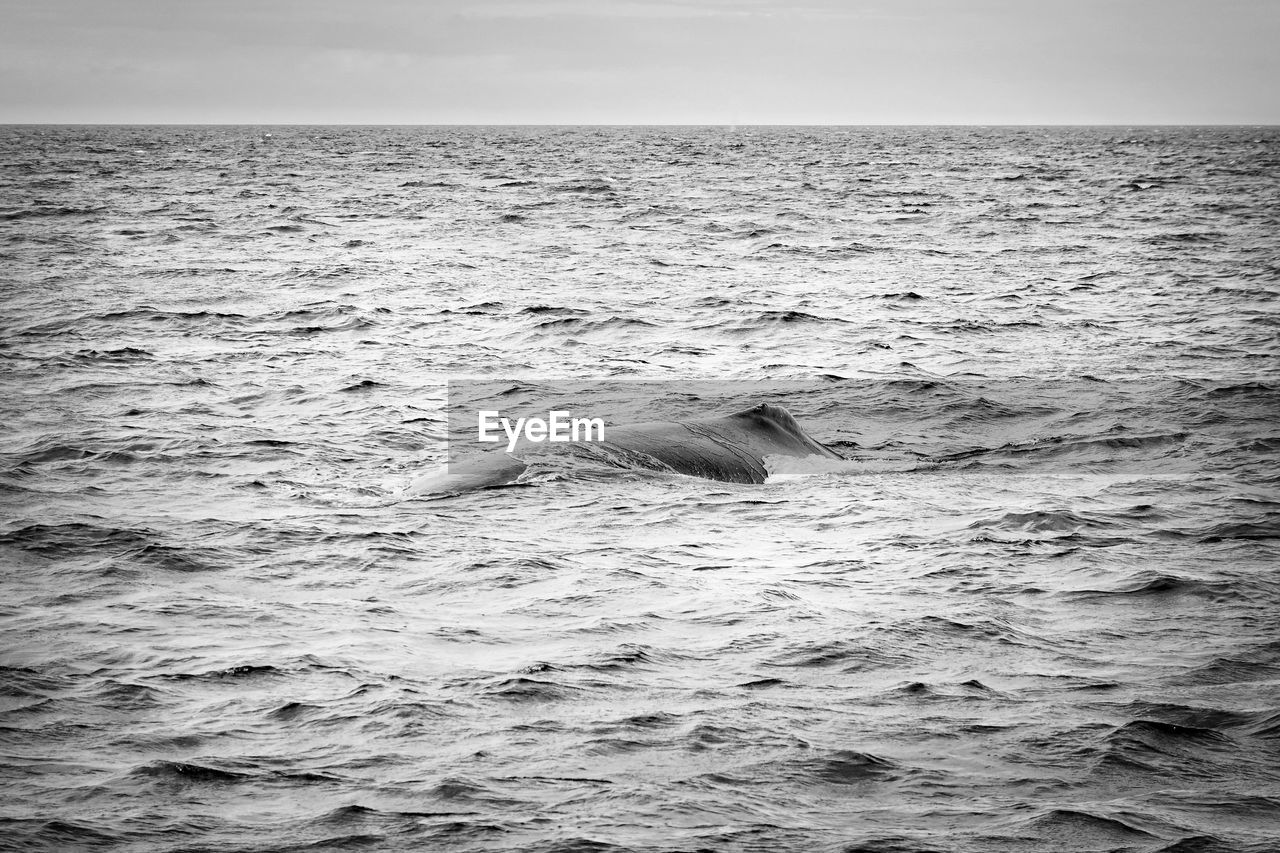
{"type": "Point", "coordinates": [1260, 124]}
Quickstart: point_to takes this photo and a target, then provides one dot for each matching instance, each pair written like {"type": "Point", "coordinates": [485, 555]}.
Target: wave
{"type": "Point", "coordinates": [601, 325]}
{"type": "Point", "coordinates": [232, 673]}
{"type": "Point", "coordinates": [523, 689]}
{"type": "Point", "coordinates": [1065, 446]}
{"type": "Point", "coordinates": [187, 773]}
{"type": "Point", "coordinates": [1267, 527]}
{"type": "Point", "coordinates": [1155, 583]}
{"type": "Point", "coordinates": [792, 316]}
{"type": "Point", "coordinates": [554, 309]}
{"type": "Point", "coordinates": [157, 315]}
{"type": "Point", "coordinates": [586, 186]}
{"type": "Point", "coordinates": [1154, 748]}
{"type": "Point", "coordinates": [1084, 828]}
{"type": "Point", "coordinates": [74, 539]}
{"type": "Point", "coordinates": [1042, 521]}
{"type": "Point", "coordinates": [58, 834]}
{"type": "Point", "coordinates": [837, 767]}
{"type": "Point", "coordinates": [850, 655]}
{"type": "Point", "coordinates": [49, 211]}
{"type": "Point", "coordinates": [122, 356]}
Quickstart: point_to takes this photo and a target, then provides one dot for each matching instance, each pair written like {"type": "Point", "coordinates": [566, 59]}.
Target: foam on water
{"type": "Point", "coordinates": [781, 468]}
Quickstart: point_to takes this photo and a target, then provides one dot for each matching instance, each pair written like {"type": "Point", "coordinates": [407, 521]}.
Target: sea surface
{"type": "Point", "coordinates": [1037, 610]}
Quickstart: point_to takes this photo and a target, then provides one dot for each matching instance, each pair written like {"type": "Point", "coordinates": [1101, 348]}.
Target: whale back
{"type": "Point", "coordinates": [730, 448]}
{"type": "Point", "coordinates": [774, 427]}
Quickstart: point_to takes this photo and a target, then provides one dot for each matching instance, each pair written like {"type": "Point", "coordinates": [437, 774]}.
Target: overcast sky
{"type": "Point", "coordinates": [641, 61]}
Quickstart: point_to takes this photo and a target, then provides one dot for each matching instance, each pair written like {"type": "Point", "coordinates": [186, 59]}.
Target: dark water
{"type": "Point", "coordinates": [1036, 612]}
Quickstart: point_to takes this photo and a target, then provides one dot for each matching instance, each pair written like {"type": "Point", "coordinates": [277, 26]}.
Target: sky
{"type": "Point", "coordinates": [640, 61]}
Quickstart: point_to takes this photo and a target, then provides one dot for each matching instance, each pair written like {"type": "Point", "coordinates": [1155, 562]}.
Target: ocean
{"type": "Point", "coordinates": [1037, 609]}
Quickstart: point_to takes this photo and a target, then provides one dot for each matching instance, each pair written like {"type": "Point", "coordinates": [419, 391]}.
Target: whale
{"type": "Point", "coordinates": [729, 448]}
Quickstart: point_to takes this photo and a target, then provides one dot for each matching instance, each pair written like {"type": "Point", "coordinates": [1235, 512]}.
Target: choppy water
{"type": "Point", "coordinates": [225, 627]}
